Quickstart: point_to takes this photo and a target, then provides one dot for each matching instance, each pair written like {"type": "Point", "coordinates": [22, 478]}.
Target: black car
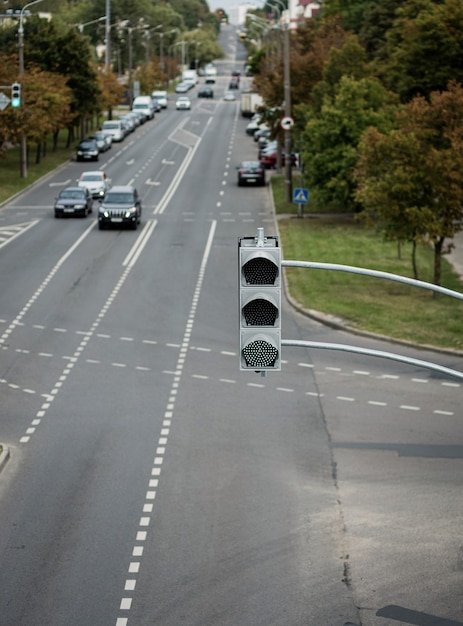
{"type": "Point", "coordinates": [74, 201]}
{"type": "Point", "coordinates": [122, 206]}
{"type": "Point", "coordinates": [250, 172]}
{"type": "Point", "coordinates": [234, 83]}
{"type": "Point", "coordinates": [206, 92]}
{"type": "Point", "coordinates": [87, 150]}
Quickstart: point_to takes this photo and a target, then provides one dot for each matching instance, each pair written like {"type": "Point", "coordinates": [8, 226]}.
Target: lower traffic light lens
{"type": "Point", "coordinates": [260, 353]}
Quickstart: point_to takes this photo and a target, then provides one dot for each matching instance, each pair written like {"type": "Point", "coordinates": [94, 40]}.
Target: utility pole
{"type": "Point", "coordinates": [287, 94]}
{"type": "Point", "coordinates": [23, 161]}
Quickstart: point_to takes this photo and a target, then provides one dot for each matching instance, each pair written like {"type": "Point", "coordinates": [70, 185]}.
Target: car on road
{"type": "Point", "coordinates": [183, 103]}
{"type": "Point", "coordinates": [229, 96]}
{"type": "Point", "coordinates": [205, 92]}
{"type": "Point", "coordinates": [183, 87]}
{"type": "Point", "coordinates": [103, 140]}
{"type": "Point", "coordinates": [87, 150]}
{"type": "Point", "coordinates": [114, 128]}
{"type": "Point", "coordinates": [96, 182]}
{"type": "Point", "coordinates": [122, 206]}
{"type": "Point", "coordinates": [73, 201]}
{"type": "Point", "coordinates": [250, 172]}
{"type": "Point", "coordinates": [234, 83]}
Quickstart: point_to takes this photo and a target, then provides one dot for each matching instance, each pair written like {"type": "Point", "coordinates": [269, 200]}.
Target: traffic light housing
{"type": "Point", "coordinates": [16, 95]}
{"type": "Point", "coordinates": [260, 302]}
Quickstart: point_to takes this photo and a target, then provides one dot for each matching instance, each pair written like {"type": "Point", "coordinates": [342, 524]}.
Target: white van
{"type": "Point", "coordinates": [161, 97]}
{"type": "Point", "coordinates": [114, 128]}
{"type": "Point", "coordinates": [145, 105]}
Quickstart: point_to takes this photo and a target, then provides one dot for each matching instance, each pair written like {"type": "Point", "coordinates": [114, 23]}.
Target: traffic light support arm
{"type": "Point", "coordinates": [378, 353]}
{"type": "Point", "coordinates": [375, 273]}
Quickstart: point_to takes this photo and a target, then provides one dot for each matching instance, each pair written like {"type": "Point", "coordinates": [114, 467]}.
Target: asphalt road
{"type": "Point", "coordinates": [151, 482]}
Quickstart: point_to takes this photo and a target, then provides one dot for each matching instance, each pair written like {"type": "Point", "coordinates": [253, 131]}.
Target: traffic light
{"type": "Point", "coordinates": [16, 95]}
{"type": "Point", "coordinates": [260, 302]}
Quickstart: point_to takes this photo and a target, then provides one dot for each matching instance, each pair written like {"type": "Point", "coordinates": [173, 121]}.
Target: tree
{"type": "Point", "coordinates": [425, 48]}
{"type": "Point", "coordinates": [331, 139]}
{"type": "Point", "coordinates": [411, 180]}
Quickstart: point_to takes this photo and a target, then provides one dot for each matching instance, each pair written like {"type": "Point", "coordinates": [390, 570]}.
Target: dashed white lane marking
{"type": "Point", "coordinates": [73, 360]}
{"type": "Point", "coordinates": [145, 520]}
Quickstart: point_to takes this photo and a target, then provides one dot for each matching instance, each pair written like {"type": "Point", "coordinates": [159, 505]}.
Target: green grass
{"type": "Point", "coordinates": [10, 179]}
{"type": "Point", "coordinates": [376, 305]}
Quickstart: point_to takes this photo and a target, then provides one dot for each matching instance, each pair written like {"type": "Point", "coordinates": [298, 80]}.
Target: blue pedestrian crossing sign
{"type": "Point", "coordinates": [300, 195]}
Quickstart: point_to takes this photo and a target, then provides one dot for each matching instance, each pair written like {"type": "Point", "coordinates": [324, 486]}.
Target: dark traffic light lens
{"type": "Point", "coordinates": [260, 271]}
{"type": "Point", "coordinates": [259, 354]}
{"type": "Point", "coordinates": [260, 312]}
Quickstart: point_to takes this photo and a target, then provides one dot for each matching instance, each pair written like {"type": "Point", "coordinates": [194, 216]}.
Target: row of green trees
{"type": "Point", "coordinates": [66, 85]}
{"type": "Point", "coordinates": [377, 98]}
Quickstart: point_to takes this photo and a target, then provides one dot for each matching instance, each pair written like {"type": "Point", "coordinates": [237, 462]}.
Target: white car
{"type": "Point", "coordinates": [229, 96]}
{"type": "Point", "coordinates": [96, 182]}
{"type": "Point", "coordinates": [183, 102]}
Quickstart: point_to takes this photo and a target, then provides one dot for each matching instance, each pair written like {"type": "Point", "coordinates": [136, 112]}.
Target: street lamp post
{"type": "Point", "coordinates": [287, 93]}
{"type": "Point", "coordinates": [148, 31]}
{"type": "Point", "coordinates": [23, 166]}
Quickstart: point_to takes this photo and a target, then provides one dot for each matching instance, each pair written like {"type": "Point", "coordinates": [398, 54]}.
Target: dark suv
{"type": "Point", "coordinates": [121, 205]}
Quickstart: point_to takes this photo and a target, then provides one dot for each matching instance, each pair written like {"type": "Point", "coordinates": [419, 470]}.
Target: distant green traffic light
{"type": "Point", "coordinates": [16, 95]}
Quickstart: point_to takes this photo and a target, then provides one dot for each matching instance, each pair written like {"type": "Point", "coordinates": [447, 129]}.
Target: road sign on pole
{"type": "Point", "coordinates": [301, 195]}
{"type": "Point", "coordinates": [4, 101]}
{"type": "Point", "coordinates": [287, 123]}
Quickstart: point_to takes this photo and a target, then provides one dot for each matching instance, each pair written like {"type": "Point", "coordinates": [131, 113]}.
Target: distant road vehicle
{"type": "Point", "coordinates": [114, 128]}
{"type": "Point", "coordinates": [250, 172]}
{"type": "Point", "coordinates": [96, 182]}
{"type": "Point", "coordinates": [183, 103]}
{"type": "Point", "coordinates": [73, 201]}
{"type": "Point", "coordinates": [161, 97]}
{"type": "Point", "coordinates": [87, 150]}
{"type": "Point", "coordinates": [121, 206]}
{"type": "Point", "coordinates": [183, 87]}
{"type": "Point", "coordinates": [103, 140]}
{"type": "Point", "coordinates": [229, 96]}
{"type": "Point", "coordinates": [205, 92]}
{"type": "Point", "coordinates": [145, 105]}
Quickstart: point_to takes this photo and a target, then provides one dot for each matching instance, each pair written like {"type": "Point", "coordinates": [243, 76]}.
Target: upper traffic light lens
{"type": "Point", "coordinates": [260, 271]}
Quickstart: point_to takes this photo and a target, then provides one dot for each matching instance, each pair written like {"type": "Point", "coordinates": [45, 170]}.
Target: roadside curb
{"type": "Point", "coordinates": [4, 456]}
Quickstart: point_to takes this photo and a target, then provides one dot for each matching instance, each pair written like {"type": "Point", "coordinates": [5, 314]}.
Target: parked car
{"type": "Point", "coordinates": [87, 150]}
{"type": "Point", "coordinates": [103, 140]}
{"type": "Point", "coordinates": [96, 182]}
{"type": "Point", "coordinates": [128, 124]}
{"type": "Point", "coordinates": [161, 97]}
{"type": "Point", "coordinates": [250, 172]}
{"type": "Point", "coordinates": [269, 160]}
{"type": "Point", "coordinates": [157, 105]}
{"type": "Point", "coordinates": [114, 128]}
{"type": "Point", "coordinates": [73, 201]}
{"type": "Point", "coordinates": [183, 88]}
{"type": "Point", "coordinates": [205, 92]}
{"type": "Point", "coordinates": [253, 125]}
{"type": "Point", "coordinates": [183, 103]}
{"type": "Point", "coordinates": [121, 205]}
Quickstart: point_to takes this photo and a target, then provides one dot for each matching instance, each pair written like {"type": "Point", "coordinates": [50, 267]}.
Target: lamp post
{"type": "Point", "coordinates": [148, 31]}
{"type": "Point", "coordinates": [287, 93]}
{"type": "Point", "coordinates": [161, 45]}
{"type": "Point", "coordinates": [82, 26]}
{"type": "Point", "coordinates": [23, 165]}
